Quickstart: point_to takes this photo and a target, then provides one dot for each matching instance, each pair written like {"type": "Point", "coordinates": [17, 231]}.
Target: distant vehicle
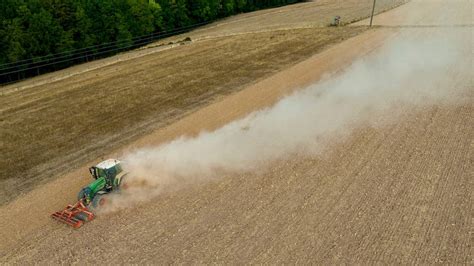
{"type": "Point", "coordinates": [336, 21]}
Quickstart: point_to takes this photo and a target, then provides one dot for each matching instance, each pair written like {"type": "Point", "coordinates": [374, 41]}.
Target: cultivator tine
{"type": "Point", "coordinates": [61, 217]}
{"type": "Point", "coordinates": [74, 215]}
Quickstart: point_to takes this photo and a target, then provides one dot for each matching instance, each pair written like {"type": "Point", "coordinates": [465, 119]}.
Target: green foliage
{"type": "Point", "coordinates": [34, 30]}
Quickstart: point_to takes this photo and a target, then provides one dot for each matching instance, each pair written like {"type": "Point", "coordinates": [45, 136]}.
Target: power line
{"type": "Point", "coordinates": [113, 50]}
{"type": "Point", "coordinates": [85, 49]}
{"type": "Point", "coordinates": [80, 57]}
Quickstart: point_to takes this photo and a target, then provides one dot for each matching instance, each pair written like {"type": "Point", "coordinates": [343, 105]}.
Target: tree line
{"type": "Point", "coordinates": [39, 36]}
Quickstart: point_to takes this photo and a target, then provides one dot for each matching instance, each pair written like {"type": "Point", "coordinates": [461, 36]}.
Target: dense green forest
{"type": "Point", "coordinates": [38, 36]}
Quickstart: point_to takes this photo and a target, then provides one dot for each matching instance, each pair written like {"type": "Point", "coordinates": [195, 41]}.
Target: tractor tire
{"type": "Point", "coordinates": [99, 201]}
{"type": "Point", "coordinates": [82, 216]}
{"type": "Point", "coordinates": [123, 186]}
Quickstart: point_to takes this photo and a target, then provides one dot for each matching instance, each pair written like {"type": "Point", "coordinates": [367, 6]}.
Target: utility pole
{"type": "Point", "coordinates": [372, 16]}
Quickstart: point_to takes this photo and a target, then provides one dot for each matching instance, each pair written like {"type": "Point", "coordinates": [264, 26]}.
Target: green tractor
{"type": "Point", "coordinates": [108, 176]}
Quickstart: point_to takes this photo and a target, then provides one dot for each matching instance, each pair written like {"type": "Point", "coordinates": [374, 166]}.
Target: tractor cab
{"type": "Point", "coordinates": [110, 170]}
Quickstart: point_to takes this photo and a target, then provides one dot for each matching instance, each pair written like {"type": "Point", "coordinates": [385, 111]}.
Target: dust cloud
{"type": "Point", "coordinates": [410, 71]}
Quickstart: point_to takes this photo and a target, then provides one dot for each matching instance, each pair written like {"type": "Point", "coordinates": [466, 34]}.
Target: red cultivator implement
{"type": "Point", "coordinates": [74, 215]}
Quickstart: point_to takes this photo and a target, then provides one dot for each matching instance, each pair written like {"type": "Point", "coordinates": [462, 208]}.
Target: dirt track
{"type": "Point", "coordinates": [401, 194]}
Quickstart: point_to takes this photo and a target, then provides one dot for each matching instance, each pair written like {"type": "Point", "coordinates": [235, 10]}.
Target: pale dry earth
{"type": "Point", "coordinates": [397, 194]}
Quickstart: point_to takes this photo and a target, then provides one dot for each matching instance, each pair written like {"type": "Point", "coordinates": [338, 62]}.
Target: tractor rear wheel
{"type": "Point", "coordinates": [99, 201]}
{"type": "Point", "coordinates": [121, 185]}
{"type": "Point", "coordinates": [82, 216]}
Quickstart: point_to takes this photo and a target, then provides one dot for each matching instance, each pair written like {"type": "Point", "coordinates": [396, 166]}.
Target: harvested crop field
{"type": "Point", "coordinates": [318, 13]}
{"type": "Point", "coordinates": [68, 122]}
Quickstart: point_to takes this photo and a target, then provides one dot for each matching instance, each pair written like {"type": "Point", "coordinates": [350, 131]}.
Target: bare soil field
{"type": "Point", "coordinates": [401, 193]}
